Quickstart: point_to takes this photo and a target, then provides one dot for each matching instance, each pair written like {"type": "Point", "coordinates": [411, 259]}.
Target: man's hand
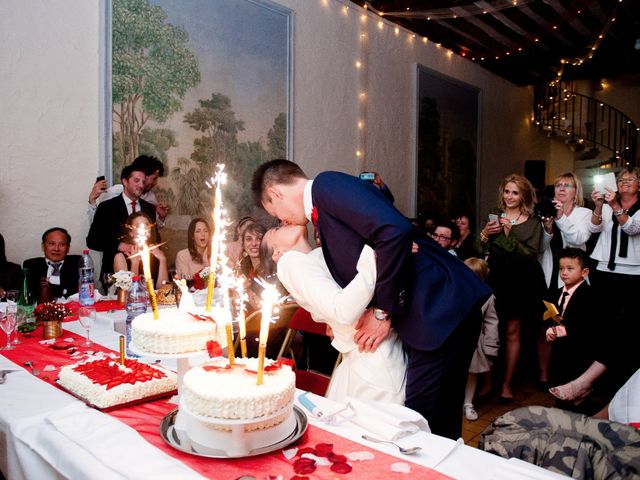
{"type": "Point", "coordinates": [329, 332]}
{"type": "Point", "coordinates": [162, 210]}
{"type": "Point", "coordinates": [97, 189]}
{"type": "Point", "coordinates": [370, 332]}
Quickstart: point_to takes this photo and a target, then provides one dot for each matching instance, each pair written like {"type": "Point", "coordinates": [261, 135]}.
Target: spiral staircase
{"type": "Point", "coordinates": [600, 135]}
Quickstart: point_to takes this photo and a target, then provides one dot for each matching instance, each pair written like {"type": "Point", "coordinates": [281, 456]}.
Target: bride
{"type": "Point", "coordinates": [379, 375]}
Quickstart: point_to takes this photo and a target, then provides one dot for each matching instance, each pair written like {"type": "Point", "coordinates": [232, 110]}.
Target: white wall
{"type": "Point", "coordinates": [52, 88]}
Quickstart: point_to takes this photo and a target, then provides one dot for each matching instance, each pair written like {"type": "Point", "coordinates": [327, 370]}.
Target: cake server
{"type": "Point", "coordinates": [309, 405]}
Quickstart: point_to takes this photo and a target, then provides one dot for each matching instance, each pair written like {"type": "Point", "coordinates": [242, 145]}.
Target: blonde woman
{"type": "Point", "coordinates": [511, 239]}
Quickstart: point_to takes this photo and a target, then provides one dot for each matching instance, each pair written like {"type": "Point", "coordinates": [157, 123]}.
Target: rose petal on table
{"type": "Point", "coordinates": [304, 466]}
{"type": "Point", "coordinates": [69, 339]}
{"type": "Point", "coordinates": [320, 461]}
{"type": "Point", "coordinates": [360, 456]}
{"type": "Point", "coordinates": [51, 341]}
{"type": "Point", "coordinates": [289, 453]}
{"type": "Point", "coordinates": [49, 368]}
{"type": "Point", "coordinates": [334, 457]}
{"type": "Point", "coordinates": [324, 449]}
{"type": "Point", "coordinates": [400, 467]}
{"type": "Point", "coordinates": [306, 450]}
{"type": "Point", "coordinates": [341, 467]}
{"type": "Point", "coordinates": [275, 477]}
{"type": "Point", "coordinates": [299, 477]}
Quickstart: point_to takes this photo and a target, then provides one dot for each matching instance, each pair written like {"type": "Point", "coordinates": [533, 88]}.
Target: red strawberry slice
{"type": "Point", "coordinates": [214, 349]}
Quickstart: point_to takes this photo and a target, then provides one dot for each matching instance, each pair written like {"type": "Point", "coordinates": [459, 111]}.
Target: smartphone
{"type": "Point", "coordinates": [369, 176]}
{"type": "Point", "coordinates": [100, 178]}
{"type": "Point", "coordinates": [493, 217]}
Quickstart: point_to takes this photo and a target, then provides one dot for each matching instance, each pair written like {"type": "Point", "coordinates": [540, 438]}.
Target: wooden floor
{"type": "Point", "coordinates": [488, 409]}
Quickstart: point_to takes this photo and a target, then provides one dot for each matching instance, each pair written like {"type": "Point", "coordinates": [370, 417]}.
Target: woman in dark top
{"type": "Point", "coordinates": [511, 239]}
{"type": "Point", "coordinates": [10, 273]}
{"type": "Point", "coordinates": [465, 247]}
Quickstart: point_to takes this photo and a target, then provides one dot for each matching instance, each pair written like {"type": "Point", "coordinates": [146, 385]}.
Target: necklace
{"type": "Point", "coordinates": [513, 222]}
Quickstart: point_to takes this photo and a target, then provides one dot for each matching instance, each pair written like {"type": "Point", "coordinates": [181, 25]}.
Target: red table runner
{"type": "Point", "coordinates": [146, 418]}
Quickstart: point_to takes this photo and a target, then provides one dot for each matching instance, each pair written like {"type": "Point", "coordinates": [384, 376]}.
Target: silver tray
{"type": "Point", "coordinates": [169, 435]}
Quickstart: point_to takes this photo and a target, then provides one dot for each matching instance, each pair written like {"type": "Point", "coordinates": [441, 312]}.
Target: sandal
{"type": "Point", "coordinates": [570, 392]}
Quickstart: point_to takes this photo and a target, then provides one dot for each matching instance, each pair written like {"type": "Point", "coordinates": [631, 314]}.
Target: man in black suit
{"type": "Point", "coordinates": [432, 299]}
{"type": "Point", "coordinates": [108, 230]}
{"type": "Point", "coordinates": [57, 268]}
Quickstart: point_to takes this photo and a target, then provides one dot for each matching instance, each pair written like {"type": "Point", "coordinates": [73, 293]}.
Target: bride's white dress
{"type": "Point", "coordinates": [375, 376]}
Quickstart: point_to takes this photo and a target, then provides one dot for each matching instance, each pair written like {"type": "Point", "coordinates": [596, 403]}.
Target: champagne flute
{"type": "Point", "coordinates": [12, 297]}
{"type": "Point", "coordinates": [7, 323]}
{"type": "Point", "coordinates": [87, 317]}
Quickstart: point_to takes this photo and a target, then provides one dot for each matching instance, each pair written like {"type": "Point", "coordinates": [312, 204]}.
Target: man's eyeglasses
{"type": "Point", "coordinates": [627, 180]}
{"type": "Point", "coordinates": [565, 185]}
{"type": "Point", "coordinates": [437, 236]}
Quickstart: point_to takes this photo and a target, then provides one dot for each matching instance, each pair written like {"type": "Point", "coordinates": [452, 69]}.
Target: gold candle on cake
{"type": "Point", "coordinates": [242, 327]}
{"type": "Point", "coordinates": [121, 349]}
{"type": "Point", "coordinates": [269, 298]}
{"type": "Point", "coordinates": [230, 350]}
{"type": "Point", "coordinates": [216, 182]}
{"type": "Point", "coordinates": [145, 257]}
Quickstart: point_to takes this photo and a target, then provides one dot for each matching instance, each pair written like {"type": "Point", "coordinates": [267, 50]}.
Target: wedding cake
{"type": "Point", "coordinates": [223, 408]}
{"type": "Point", "coordinates": [178, 331]}
{"type": "Point", "coordinates": [106, 383]}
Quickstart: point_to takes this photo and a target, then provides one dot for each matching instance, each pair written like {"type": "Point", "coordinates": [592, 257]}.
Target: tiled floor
{"type": "Point", "coordinates": [489, 408]}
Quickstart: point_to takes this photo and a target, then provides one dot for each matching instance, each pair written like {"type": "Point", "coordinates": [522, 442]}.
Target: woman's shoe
{"type": "Point", "coordinates": [505, 400]}
{"type": "Point", "coordinates": [469, 412]}
{"type": "Point", "coordinates": [571, 392]}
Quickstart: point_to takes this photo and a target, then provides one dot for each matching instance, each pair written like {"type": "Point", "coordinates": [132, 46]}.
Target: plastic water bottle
{"type": "Point", "coordinates": [86, 284]}
{"type": "Point", "coordinates": [136, 305]}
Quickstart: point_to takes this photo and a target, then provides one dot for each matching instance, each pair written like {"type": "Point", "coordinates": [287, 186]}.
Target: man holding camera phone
{"type": "Point", "coordinates": [375, 178]}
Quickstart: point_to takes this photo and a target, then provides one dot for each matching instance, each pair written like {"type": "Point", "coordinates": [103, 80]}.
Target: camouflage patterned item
{"type": "Point", "coordinates": [566, 443]}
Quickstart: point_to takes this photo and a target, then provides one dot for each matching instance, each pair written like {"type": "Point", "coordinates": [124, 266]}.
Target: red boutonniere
{"type": "Point", "coordinates": [314, 217]}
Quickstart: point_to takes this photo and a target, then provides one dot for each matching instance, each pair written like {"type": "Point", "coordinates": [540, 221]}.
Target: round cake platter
{"type": "Point", "coordinates": [169, 435]}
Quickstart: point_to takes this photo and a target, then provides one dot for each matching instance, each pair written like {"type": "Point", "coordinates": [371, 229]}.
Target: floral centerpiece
{"type": "Point", "coordinates": [51, 314]}
{"type": "Point", "coordinates": [122, 281]}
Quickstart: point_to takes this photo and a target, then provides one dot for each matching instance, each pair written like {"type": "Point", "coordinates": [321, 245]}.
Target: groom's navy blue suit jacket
{"type": "Point", "coordinates": [428, 293]}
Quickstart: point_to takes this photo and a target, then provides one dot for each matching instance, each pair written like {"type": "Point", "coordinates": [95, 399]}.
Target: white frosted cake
{"type": "Point", "coordinates": [105, 383]}
{"type": "Point", "coordinates": [216, 391]}
{"type": "Point", "coordinates": [178, 331]}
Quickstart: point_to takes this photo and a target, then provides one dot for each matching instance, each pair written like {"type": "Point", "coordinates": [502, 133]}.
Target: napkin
{"type": "Point", "coordinates": [516, 468]}
{"type": "Point", "coordinates": [388, 421]}
{"type": "Point", "coordinates": [116, 445]}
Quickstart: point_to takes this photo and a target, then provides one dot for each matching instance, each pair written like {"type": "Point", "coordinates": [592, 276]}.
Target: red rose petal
{"type": "Point", "coordinates": [324, 449]}
{"type": "Point", "coordinates": [304, 466]}
{"type": "Point", "coordinates": [299, 477]}
{"type": "Point", "coordinates": [214, 349]}
{"type": "Point", "coordinates": [336, 458]}
{"type": "Point", "coordinates": [341, 467]}
{"type": "Point", "coordinates": [304, 450]}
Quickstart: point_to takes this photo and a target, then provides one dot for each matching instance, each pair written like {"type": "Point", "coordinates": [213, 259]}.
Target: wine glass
{"type": "Point", "coordinates": [87, 317]}
{"type": "Point", "coordinates": [12, 297]}
{"type": "Point", "coordinates": [7, 323]}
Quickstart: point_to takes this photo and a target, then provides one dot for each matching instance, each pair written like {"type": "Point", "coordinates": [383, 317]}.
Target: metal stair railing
{"type": "Point", "coordinates": [585, 121]}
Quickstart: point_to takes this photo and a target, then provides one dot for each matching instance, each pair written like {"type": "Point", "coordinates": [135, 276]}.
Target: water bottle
{"type": "Point", "coordinates": [136, 305]}
{"type": "Point", "coordinates": [86, 284]}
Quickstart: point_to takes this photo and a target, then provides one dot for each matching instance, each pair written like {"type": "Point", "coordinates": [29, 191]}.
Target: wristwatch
{"type": "Point", "coordinates": [381, 315]}
{"type": "Point", "coordinates": [617, 213]}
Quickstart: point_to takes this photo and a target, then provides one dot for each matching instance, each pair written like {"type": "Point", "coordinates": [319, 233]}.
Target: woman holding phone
{"type": "Point", "coordinates": [511, 240]}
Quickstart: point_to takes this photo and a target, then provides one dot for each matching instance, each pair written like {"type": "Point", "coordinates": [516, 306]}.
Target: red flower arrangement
{"type": "Point", "coordinates": [50, 311]}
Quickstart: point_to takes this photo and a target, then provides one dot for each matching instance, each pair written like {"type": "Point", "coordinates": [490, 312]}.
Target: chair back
{"type": "Point", "coordinates": [277, 332]}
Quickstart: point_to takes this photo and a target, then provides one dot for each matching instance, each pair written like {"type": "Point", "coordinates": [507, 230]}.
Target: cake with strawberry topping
{"type": "Point", "coordinates": [178, 331]}
{"type": "Point", "coordinates": [216, 392]}
{"type": "Point", "coordinates": [106, 383]}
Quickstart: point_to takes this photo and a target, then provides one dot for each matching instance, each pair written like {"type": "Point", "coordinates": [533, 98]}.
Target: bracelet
{"type": "Point", "coordinates": [622, 211]}
{"type": "Point", "coordinates": [596, 215]}
{"type": "Point", "coordinates": [483, 238]}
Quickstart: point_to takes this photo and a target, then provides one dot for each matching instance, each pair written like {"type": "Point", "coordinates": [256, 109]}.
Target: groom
{"type": "Point", "coordinates": [432, 299]}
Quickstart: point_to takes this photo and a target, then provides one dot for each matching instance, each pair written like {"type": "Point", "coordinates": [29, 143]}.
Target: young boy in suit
{"type": "Point", "coordinates": [576, 340]}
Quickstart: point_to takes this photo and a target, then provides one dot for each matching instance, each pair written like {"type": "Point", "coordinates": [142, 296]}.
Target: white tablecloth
{"type": "Point", "coordinates": [33, 445]}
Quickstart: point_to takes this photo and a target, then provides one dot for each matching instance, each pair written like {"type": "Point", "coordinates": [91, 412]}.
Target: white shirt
{"type": "Point", "coordinates": [307, 200]}
{"type": "Point", "coordinates": [112, 192]}
{"type": "Point", "coordinates": [53, 279]}
{"type": "Point", "coordinates": [630, 264]}
{"type": "Point", "coordinates": [575, 232]}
